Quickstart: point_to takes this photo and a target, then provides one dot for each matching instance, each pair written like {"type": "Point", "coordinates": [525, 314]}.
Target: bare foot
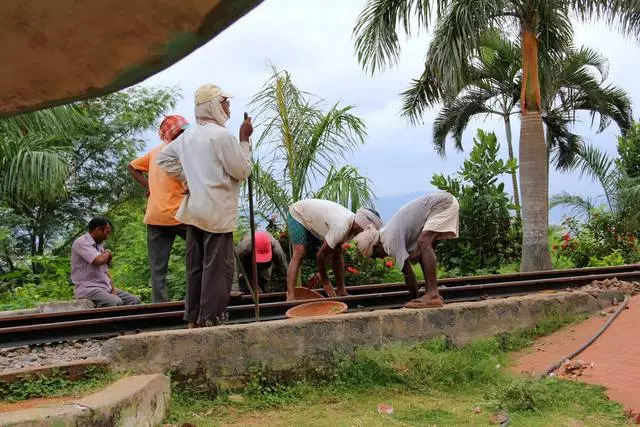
{"type": "Point", "coordinates": [291, 297]}
{"type": "Point", "coordinates": [425, 302]}
{"type": "Point", "coordinates": [192, 325]}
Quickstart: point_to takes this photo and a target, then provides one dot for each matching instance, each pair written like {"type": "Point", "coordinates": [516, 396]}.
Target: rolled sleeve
{"type": "Point", "coordinates": [86, 251]}
{"type": "Point", "coordinates": [141, 163]}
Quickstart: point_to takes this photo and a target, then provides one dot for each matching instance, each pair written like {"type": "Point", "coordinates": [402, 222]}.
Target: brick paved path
{"type": "Point", "coordinates": [615, 355]}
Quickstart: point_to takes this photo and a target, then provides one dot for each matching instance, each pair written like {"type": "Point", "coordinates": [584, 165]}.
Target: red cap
{"type": "Point", "coordinates": [263, 247]}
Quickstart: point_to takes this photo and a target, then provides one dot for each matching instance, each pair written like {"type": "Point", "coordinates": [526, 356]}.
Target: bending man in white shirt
{"type": "Point", "coordinates": [319, 228]}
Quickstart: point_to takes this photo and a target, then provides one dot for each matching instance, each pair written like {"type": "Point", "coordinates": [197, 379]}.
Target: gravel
{"type": "Point", "coordinates": [48, 354]}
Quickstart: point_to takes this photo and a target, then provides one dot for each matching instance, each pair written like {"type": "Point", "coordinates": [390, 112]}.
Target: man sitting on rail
{"type": "Point", "coordinates": [320, 227]}
{"type": "Point", "coordinates": [90, 268]}
{"type": "Point", "coordinates": [411, 235]}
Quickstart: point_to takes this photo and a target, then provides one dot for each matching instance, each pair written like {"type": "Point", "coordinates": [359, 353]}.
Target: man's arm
{"type": "Point", "coordinates": [323, 254]}
{"type": "Point", "coordinates": [235, 158]}
{"type": "Point", "coordinates": [138, 176]}
{"type": "Point", "coordinates": [410, 279]}
{"type": "Point", "coordinates": [169, 161]}
{"type": "Point", "coordinates": [280, 259]}
{"type": "Point", "coordinates": [136, 169]}
{"type": "Point", "coordinates": [91, 254]}
{"type": "Point", "coordinates": [321, 261]}
{"type": "Point", "coordinates": [104, 258]}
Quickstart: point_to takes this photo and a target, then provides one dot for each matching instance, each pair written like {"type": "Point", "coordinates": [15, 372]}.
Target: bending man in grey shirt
{"type": "Point", "coordinates": [411, 235]}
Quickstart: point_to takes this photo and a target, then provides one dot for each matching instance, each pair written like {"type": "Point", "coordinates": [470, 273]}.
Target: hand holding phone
{"type": "Point", "coordinates": [246, 128]}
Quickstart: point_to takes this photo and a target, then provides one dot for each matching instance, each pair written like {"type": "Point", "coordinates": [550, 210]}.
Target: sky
{"type": "Point", "coordinates": [313, 41]}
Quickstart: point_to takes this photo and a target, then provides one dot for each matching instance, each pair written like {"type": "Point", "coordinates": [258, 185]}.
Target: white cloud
{"type": "Point", "coordinates": [313, 41]}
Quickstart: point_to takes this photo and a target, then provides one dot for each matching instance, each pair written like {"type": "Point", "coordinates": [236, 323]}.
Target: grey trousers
{"type": "Point", "coordinates": [105, 299]}
{"type": "Point", "coordinates": [159, 242]}
{"type": "Point", "coordinates": [210, 266]}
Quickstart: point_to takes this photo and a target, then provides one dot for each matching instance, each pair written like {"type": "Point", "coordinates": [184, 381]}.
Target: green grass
{"type": "Point", "coordinates": [55, 385]}
{"type": "Point", "coordinates": [428, 383]}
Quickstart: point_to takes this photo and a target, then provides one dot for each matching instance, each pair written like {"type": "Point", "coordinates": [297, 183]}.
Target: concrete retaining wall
{"type": "Point", "coordinates": [224, 356]}
{"type": "Point", "coordinates": [139, 401]}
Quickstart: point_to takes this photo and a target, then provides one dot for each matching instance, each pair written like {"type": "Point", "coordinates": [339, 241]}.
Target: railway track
{"type": "Point", "coordinates": [112, 321]}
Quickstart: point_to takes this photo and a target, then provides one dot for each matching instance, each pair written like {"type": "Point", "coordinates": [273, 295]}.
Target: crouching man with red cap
{"type": "Point", "coordinates": [269, 253]}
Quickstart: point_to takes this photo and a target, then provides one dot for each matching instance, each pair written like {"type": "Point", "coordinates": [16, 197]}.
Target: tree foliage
{"type": "Point", "coordinates": [66, 164]}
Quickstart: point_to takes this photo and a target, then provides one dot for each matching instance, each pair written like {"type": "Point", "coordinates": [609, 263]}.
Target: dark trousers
{"type": "Point", "coordinates": [210, 265]}
{"type": "Point", "coordinates": [159, 242]}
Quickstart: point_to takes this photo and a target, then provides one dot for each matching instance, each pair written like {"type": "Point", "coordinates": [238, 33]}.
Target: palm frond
{"type": "Point", "coordinates": [620, 14]}
{"type": "Point", "coordinates": [65, 121]}
{"type": "Point", "coordinates": [454, 117]}
{"type": "Point", "coordinates": [347, 187]}
{"type": "Point", "coordinates": [377, 44]}
{"type": "Point", "coordinates": [596, 164]}
{"type": "Point", "coordinates": [577, 204]}
{"type": "Point", "coordinates": [33, 168]}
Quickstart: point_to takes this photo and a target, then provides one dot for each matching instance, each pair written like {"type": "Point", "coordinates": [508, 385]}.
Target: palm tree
{"type": "Point", "coordinates": [301, 143]}
{"type": "Point", "coordinates": [572, 84]}
{"type": "Point", "coordinates": [34, 154]}
{"type": "Point", "coordinates": [492, 88]}
{"type": "Point", "coordinates": [456, 39]}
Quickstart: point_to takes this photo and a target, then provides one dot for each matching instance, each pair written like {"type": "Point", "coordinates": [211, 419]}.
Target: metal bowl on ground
{"type": "Point", "coordinates": [304, 293]}
{"type": "Point", "coordinates": [317, 308]}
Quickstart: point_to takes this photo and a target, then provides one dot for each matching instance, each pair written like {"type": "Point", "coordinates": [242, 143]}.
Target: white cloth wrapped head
{"type": "Point", "coordinates": [366, 240]}
{"type": "Point", "coordinates": [366, 217]}
{"type": "Point", "coordinates": [208, 108]}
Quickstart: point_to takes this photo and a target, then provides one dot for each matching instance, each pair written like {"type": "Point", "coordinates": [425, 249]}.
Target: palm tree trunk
{"type": "Point", "coordinates": [514, 176]}
{"type": "Point", "coordinates": [533, 156]}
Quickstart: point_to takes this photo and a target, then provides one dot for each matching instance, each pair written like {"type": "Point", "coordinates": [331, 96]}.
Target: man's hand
{"type": "Point", "coordinates": [328, 288]}
{"type": "Point", "coordinates": [114, 291]}
{"type": "Point", "coordinates": [313, 281]}
{"type": "Point", "coordinates": [246, 128]}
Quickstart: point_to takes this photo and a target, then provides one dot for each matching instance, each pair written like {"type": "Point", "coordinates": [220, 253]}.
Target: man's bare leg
{"type": "Point", "coordinates": [293, 269]}
{"type": "Point", "coordinates": [338, 271]}
{"type": "Point", "coordinates": [429, 264]}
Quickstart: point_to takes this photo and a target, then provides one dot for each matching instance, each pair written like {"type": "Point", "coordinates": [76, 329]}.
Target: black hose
{"type": "Point", "coordinates": [591, 341]}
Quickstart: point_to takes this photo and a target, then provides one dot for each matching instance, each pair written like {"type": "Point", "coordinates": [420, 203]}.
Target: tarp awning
{"type": "Point", "coordinates": [57, 51]}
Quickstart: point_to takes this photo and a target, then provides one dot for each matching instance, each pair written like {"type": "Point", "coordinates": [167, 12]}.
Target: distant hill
{"type": "Point", "coordinates": [388, 205]}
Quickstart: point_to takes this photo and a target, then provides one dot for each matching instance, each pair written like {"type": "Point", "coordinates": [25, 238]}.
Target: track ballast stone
{"type": "Point", "coordinates": [48, 354]}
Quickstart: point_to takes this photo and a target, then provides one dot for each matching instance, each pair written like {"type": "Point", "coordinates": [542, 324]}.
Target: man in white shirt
{"type": "Point", "coordinates": [320, 227]}
{"type": "Point", "coordinates": [213, 164]}
{"type": "Point", "coordinates": [411, 235]}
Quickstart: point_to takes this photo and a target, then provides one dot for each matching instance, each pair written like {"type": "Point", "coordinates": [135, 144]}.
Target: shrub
{"type": "Point", "coordinates": [489, 237]}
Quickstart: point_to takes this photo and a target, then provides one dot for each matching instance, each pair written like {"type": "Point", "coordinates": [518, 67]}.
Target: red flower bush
{"type": "Point", "coordinates": [353, 270]}
{"type": "Point", "coordinates": [389, 264]}
{"type": "Point", "coordinates": [346, 245]}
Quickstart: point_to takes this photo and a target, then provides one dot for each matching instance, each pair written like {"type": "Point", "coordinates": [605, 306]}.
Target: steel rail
{"type": "Point", "coordinates": [51, 327]}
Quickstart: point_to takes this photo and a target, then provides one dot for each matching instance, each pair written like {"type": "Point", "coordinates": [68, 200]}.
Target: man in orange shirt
{"type": "Point", "coordinates": [165, 195]}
